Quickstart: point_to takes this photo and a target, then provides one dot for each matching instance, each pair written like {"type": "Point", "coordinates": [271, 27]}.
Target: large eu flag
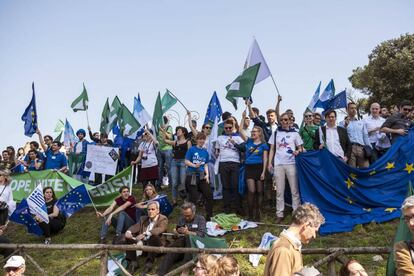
{"type": "Point", "coordinates": [29, 116]}
{"type": "Point", "coordinates": [213, 110]}
{"type": "Point", "coordinates": [74, 201]}
{"type": "Point", "coordinates": [348, 196]}
{"type": "Point", "coordinates": [23, 216]}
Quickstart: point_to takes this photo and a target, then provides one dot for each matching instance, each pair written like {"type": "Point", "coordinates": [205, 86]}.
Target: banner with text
{"type": "Point", "coordinates": [102, 195]}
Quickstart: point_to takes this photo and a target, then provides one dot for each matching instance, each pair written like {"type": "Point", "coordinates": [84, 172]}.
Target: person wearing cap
{"type": "Point", "coordinates": [79, 150]}
{"type": "Point", "coordinates": [15, 266]}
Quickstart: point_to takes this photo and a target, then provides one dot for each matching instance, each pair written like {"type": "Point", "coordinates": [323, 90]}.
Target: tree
{"type": "Point", "coordinates": [389, 76]}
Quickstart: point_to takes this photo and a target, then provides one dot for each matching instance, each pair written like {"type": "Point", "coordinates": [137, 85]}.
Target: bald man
{"type": "Point", "coordinates": [379, 140]}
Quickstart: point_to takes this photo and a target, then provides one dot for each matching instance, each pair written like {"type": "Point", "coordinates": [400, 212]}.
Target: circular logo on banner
{"type": "Point", "coordinates": [88, 164]}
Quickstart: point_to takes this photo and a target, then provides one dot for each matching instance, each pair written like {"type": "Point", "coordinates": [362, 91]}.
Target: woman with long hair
{"type": "Point", "coordinates": [7, 204]}
{"type": "Point", "coordinates": [57, 220]}
{"type": "Point", "coordinates": [149, 163]}
{"type": "Point", "coordinates": [141, 207]}
{"type": "Point", "coordinates": [206, 265]}
{"type": "Point", "coordinates": [256, 156]}
{"type": "Point", "coordinates": [179, 149]}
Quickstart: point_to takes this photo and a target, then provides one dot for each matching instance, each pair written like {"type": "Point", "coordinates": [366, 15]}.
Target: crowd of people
{"type": "Point", "coordinates": [189, 162]}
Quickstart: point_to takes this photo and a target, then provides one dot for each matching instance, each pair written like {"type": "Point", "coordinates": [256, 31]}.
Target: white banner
{"type": "Point", "coordinates": [37, 205]}
{"type": "Point", "coordinates": [101, 159]}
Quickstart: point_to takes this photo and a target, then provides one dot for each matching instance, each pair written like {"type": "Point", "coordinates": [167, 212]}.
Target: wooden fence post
{"type": "Point", "coordinates": [104, 263]}
{"type": "Point", "coordinates": [331, 268]}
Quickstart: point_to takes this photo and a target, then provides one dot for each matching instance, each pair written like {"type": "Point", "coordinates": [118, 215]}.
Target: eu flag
{"type": "Point", "coordinates": [213, 110]}
{"type": "Point", "coordinates": [165, 205]}
{"type": "Point", "coordinates": [74, 201]}
{"type": "Point", "coordinates": [349, 196]}
{"type": "Point", "coordinates": [23, 216]}
{"type": "Point", "coordinates": [338, 101]}
{"type": "Point", "coordinates": [29, 116]}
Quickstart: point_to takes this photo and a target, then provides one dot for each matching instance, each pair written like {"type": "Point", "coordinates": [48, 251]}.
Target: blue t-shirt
{"type": "Point", "coordinates": [196, 156]}
{"type": "Point", "coordinates": [254, 153]}
{"type": "Point", "coordinates": [55, 161]}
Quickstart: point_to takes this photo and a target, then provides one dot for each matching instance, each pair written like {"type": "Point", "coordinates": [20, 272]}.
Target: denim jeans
{"type": "Point", "coordinates": [178, 175]}
{"type": "Point", "coordinates": [164, 163]}
{"type": "Point", "coordinates": [121, 224]}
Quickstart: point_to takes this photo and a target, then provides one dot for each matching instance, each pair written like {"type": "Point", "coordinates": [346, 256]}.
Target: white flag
{"type": "Point", "coordinates": [37, 204]}
{"type": "Point", "coordinates": [254, 57]}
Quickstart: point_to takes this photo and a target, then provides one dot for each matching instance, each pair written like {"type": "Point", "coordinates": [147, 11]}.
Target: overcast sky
{"type": "Point", "coordinates": [190, 47]}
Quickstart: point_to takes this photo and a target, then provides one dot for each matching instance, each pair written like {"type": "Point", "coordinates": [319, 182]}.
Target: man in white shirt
{"type": "Point", "coordinates": [379, 140]}
{"type": "Point", "coordinates": [285, 145]}
{"type": "Point", "coordinates": [229, 165]}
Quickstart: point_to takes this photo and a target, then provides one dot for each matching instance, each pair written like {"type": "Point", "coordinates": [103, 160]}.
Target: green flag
{"type": "Point", "coordinates": [127, 122]}
{"type": "Point", "coordinates": [105, 117]}
{"type": "Point", "coordinates": [114, 112]}
{"type": "Point", "coordinates": [242, 86]}
{"type": "Point", "coordinates": [59, 137]}
{"type": "Point", "coordinates": [157, 116]}
{"type": "Point", "coordinates": [403, 234]}
{"type": "Point", "coordinates": [207, 242]}
{"type": "Point", "coordinates": [167, 101]}
{"type": "Point", "coordinates": [60, 126]}
{"type": "Point", "coordinates": [81, 102]}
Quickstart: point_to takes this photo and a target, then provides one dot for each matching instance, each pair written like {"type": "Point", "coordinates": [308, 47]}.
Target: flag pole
{"type": "Point", "coordinates": [93, 204]}
{"type": "Point", "coordinates": [132, 177]}
{"type": "Point", "coordinates": [87, 117]}
{"type": "Point", "coordinates": [186, 109]}
{"type": "Point", "coordinates": [277, 90]}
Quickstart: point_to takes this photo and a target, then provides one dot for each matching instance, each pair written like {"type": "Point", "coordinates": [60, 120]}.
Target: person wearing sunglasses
{"type": "Point", "coordinates": [402, 250]}
{"type": "Point", "coordinates": [398, 124]}
{"type": "Point", "coordinates": [307, 131]}
{"type": "Point", "coordinates": [285, 145]}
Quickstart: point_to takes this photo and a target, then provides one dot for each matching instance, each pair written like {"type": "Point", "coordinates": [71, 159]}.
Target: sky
{"type": "Point", "coordinates": [193, 48]}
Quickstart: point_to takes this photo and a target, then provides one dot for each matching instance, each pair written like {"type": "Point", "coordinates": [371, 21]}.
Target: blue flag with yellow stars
{"type": "Point", "coordinates": [29, 116]}
{"type": "Point", "coordinates": [165, 206]}
{"type": "Point", "coordinates": [348, 196]}
{"type": "Point", "coordinates": [74, 201]}
{"type": "Point", "coordinates": [23, 216]}
{"type": "Point", "coordinates": [213, 110]}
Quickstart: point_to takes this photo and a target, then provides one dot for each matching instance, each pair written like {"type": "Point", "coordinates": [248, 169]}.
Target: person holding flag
{"type": "Point", "coordinates": [79, 151]}
{"type": "Point", "coordinates": [57, 220]}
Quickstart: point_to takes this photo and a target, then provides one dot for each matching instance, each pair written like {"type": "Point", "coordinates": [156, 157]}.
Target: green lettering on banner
{"type": "Point", "coordinates": [102, 195]}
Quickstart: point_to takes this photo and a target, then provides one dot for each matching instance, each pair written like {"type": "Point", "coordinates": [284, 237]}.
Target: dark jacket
{"type": "Point", "coordinates": [343, 140]}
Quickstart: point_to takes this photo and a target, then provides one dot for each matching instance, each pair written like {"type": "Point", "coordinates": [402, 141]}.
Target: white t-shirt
{"type": "Point", "coordinates": [372, 123]}
{"type": "Point", "coordinates": [228, 152]}
{"type": "Point", "coordinates": [286, 143]}
{"type": "Point", "coordinates": [149, 158]}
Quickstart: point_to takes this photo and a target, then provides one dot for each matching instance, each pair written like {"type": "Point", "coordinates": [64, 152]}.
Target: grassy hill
{"type": "Point", "coordinates": [83, 227]}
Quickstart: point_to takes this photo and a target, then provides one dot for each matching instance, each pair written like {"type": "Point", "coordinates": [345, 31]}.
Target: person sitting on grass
{"type": "Point", "coordinates": [285, 258]}
{"type": "Point", "coordinates": [188, 224]}
{"type": "Point", "coordinates": [124, 207]}
{"type": "Point", "coordinates": [57, 220]}
{"type": "Point", "coordinates": [147, 231]}
{"type": "Point", "coordinates": [352, 268]}
{"type": "Point", "coordinates": [141, 207]}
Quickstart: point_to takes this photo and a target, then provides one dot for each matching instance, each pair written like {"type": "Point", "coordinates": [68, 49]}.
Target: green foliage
{"type": "Point", "coordinates": [389, 76]}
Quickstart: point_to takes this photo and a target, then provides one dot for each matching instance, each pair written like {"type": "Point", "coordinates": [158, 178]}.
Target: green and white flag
{"type": "Point", "coordinates": [105, 118]}
{"type": "Point", "coordinates": [127, 122]}
{"type": "Point", "coordinates": [81, 102]}
{"type": "Point", "coordinates": [60, 126]}
{"type": "Point", "coordinates": [167, 101]}
{"type": "Point", "coordinates": [242, 86]}
{"type": "Point", "coordinates": [115, 110]}
{"type": "Point", "coordinates": [157, 116]}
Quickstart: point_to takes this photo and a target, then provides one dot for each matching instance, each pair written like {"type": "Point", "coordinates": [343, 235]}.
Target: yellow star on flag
{"type": "Point", "coordinates": [373, 172]}
{"type": "Point", "coordinates": [349, 183]}
{"type": "Point", "coordinates": [390, 165]}
{"type": "Point", "coordinates": [390, 210]}
{"type": "Point", "coordinates": [367, 209]}
{"type": "Point", "coordinates": [409, 167]}
{"type": "Point", "coordinates": [350, 201]}
{"type": "Point", "coordinates": [353, 176]}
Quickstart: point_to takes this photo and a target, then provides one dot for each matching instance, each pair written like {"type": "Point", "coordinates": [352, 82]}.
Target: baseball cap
{"type": "Point", "coordinates": [14, 261]}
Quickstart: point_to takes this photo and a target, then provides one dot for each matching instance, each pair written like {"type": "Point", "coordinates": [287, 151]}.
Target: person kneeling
{"type": "Point", "coordinates": [147, 231]}
{"type": "Point", "coordinates": [57, 220]}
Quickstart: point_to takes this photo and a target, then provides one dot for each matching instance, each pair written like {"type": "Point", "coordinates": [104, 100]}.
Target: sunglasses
{"type": "Point", "coordinates": [284, 120]}
{"type": "Point", "coordinates": [407, 109]}
{"type": "Point", "coordinates": [228, 127]}
{"type": "Point", "coordinates": [207, 127]}
{"type": "Point", "coordinates": [308, 116]}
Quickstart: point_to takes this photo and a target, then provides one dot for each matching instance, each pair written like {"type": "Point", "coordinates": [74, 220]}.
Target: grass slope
{"type": "Point", "coordinates": [83, 227]}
